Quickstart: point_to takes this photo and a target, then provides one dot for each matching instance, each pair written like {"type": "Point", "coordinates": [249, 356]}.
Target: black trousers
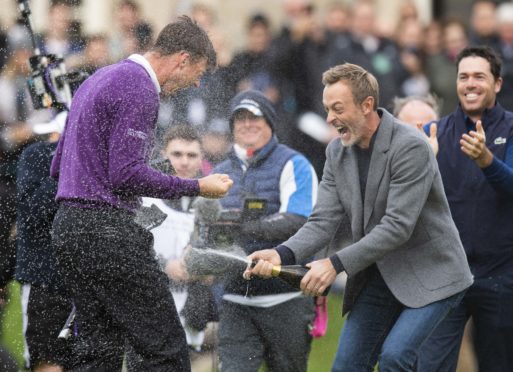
{"type": "Point", "coordinates": [47, 312]}
{"type": "Point", "coordinates": [108, 267]}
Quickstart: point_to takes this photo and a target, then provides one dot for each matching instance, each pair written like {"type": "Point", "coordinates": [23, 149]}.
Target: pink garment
{"type": "Point", "coordinates": [320, 323]}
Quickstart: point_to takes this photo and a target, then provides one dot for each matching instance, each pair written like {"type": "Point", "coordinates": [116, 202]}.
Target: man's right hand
{"type": "Point", "coordinates": [265, 260]}
{"type": "Point", "coordinates": [215, 185]}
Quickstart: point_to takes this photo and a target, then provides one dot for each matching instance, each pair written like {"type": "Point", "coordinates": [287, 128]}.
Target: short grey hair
{"type": "Point", "coordinates": [430, 99]}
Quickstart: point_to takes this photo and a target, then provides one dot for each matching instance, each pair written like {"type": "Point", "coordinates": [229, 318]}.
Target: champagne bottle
{"type": "Point", "coordinates": [293, 274]}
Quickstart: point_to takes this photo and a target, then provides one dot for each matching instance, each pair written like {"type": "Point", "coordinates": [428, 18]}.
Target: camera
{"type": "Point", "coordinates": [217, 228]}
{"type": "Point", "coordinates": [49, 84]}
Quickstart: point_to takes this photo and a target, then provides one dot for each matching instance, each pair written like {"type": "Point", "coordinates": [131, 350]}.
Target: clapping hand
{"type": "Point", "coordinates": [433, 141]}
{"type": "Point", "coordinates": [474, 146]}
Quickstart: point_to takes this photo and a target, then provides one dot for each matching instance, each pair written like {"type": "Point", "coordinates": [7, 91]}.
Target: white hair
{"type": "Point", "coordinates": [504, 13]}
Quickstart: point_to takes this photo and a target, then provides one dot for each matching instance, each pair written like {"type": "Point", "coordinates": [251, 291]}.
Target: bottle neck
{"type": "Point", "coordinates": [276, 270]}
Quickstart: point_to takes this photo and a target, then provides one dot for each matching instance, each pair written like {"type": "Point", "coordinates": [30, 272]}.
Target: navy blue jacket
{"type": "Point", "coordinates": [262, 180]}
{"type": "Point", "coordinates": [36, 190]}
{"type": "Point", "coordinates": [481, 200]}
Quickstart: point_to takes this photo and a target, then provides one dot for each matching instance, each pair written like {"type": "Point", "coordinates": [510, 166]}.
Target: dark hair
{"type": "Point", "coordinates": [484, 52]}
{"type": "Point", "coordinates": [143, 34]}
{"type": "Point", "coordinates": [258, 19]}
{"type": "Point", "coordinates": [362, 83]}
{"type": "Point", "coordinates": [181, 131]}
{"type": "Point", "coordinates": [186, 35]}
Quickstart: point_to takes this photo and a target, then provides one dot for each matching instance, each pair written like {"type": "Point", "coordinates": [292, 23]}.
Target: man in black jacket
{"type": "Point", "coordinates": [44, 306]}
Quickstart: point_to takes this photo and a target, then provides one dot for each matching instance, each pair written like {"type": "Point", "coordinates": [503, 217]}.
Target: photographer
{"type": "Point", "coordinates": [44, 305]}
{"type": "Point", "coordinates": [259, 317]}
{"type": "Point", "coordinates": [16, 114]}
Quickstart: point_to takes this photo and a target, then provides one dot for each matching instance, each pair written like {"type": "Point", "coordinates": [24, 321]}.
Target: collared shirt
{"type": "Point", "coordinates": [139, 59]}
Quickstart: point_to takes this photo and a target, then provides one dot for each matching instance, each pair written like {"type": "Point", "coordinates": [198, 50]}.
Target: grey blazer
{"type": "Point", "coordinates": [403, 224]}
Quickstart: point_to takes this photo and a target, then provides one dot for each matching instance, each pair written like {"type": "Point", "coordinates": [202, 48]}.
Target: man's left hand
{"type": "Point", "coordinates": [320, 276]}
{"type": "Point", "coordinates": [474, 146]}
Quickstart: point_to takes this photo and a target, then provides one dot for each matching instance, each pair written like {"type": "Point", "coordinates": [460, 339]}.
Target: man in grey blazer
{"type": "Point", "coordinates": [406, 266]}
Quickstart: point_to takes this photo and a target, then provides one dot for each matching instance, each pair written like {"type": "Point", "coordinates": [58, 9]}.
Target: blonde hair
{"type": "Point", "coordinates": [362, 83]}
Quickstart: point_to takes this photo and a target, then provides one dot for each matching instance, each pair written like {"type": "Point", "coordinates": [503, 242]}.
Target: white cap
{"type": "Point", "coordinates": [250, 105]}
{"type": "Point", "coordinates": [55, 125]}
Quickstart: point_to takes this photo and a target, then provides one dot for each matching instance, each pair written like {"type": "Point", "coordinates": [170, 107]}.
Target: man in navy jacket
{"type": "Point", "coordinates": [476, 164]}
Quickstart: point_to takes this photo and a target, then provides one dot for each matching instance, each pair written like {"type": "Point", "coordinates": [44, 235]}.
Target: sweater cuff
{"type": "Point", "coordinates": [493, 169]}
{"type": "Point", "coordinates": [337, 264]}
{"type": "Point", "coordinates": [286, 255]}
{"type": "Point", "coordinates": [190, 187]}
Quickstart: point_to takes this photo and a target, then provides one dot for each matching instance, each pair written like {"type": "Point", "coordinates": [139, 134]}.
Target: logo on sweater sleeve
{"type": "Point", "coordinates": [137, 134]}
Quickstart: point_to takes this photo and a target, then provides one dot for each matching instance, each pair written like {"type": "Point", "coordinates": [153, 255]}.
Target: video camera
{"type": "Point", "coordinates": [49, 84]}
{"type": "Point", "coordinates": [216, 227]}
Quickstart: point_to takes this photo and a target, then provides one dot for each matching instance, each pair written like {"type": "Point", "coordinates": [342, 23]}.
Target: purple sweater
{"type": "Point", "coordinates": [103, 154]}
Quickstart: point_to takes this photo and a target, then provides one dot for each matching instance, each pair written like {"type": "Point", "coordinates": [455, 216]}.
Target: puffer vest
{"type": "Point", "coordinates": [261, 180]}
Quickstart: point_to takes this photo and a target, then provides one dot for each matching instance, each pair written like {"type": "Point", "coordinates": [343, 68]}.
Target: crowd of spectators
{"type": "Point", "coordinates": [284, 62]}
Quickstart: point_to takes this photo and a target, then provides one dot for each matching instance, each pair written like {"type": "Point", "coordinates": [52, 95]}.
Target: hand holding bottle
{"type": "Point", "coordinates": [314, 279]}
{"type": "Point", "coordinates": [320, 276]}
{"type": "Point", "coordinates": [264, 261]}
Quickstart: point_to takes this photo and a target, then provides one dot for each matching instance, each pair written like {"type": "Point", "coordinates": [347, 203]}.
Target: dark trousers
{"type": "Point", "coordinates": [108, 267]}
{"type": "Point", "coordinates": [490, 303]}
{"type": "Point", "coordinates": [278, 335]}
{"type": "Point", "coordinates": [47, 312]}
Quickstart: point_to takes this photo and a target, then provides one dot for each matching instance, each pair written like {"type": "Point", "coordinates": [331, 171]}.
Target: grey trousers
{"type": "Point", "coordinates": [278, 335]}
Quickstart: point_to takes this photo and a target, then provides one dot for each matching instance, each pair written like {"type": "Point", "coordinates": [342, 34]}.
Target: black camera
{"type": "Point", "coordinates": [217, 227]}
{"type": "Point", "coordinates": [49, 84]}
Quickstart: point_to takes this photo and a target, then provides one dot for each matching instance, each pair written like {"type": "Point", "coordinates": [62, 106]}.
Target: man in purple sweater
{"type": "Point", "coordinates": [104, 257]}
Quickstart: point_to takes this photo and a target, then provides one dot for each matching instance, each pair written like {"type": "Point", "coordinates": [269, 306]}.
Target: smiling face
{"type": "Point", "coordinates": [476, 86]}
{"type": "Point", "coordinates": [346, 116]}
{"type": "Point", "coordinates": [250, 131]}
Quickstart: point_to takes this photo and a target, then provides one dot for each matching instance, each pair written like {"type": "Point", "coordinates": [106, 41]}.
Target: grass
{"type": "Point", "coordinates": [320, 360]}
{"type": "Point", "coordinates": [324, 348]}
{"type": "Point", "coordinates": [11, 335]}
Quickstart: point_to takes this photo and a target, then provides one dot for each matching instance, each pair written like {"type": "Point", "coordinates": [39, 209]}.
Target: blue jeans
{"type": "Point", "coordinates": [490, 303]}
{"type": "Point", "coordinates": [379, 329]}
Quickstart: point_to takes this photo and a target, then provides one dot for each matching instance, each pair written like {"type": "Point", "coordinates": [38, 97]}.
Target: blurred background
{"type": "Point", "coordinates": [280, 47]}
